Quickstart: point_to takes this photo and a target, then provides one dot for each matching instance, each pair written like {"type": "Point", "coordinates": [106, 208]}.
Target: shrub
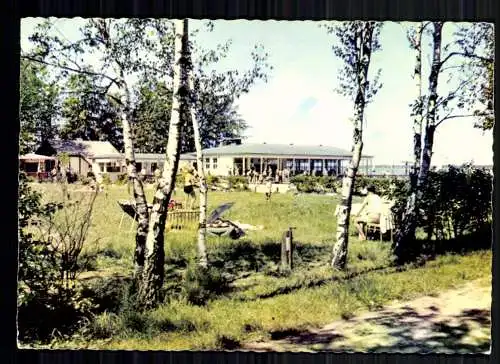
{"type": "Point", "coordinates": [122, 179]}
{"type": "Point", "coordinates": [106, 180]}
{"type": "Point", "coordinates": [48, 299]}
{"type": "Point", "coordinates": [202, 284]}
{"type": "Point", "coordinates": [238, 182]}
{"type": "Point", "coordinates": [456, 201]}
{"type": "Point", "coordinates": [212, 180]}
{"type": "Point", "coordinates": [104, 326]}
{"type": "Point", "coordinates": [84, 180]}
{"type": "Point", "coordinates": [304, 183]}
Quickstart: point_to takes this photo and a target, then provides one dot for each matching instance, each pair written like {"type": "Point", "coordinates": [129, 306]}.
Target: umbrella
{"type": "Point", "coordinates": [216, 213]}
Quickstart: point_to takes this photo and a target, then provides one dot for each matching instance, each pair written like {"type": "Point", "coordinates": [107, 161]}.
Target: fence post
{"type": "Point", "coordinates": [287, 248]}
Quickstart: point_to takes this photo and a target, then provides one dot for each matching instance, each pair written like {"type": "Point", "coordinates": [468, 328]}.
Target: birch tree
{"type": "Point", "coordinates": [414, 35]}
{"type": "Point", "coordinates": [461, 101]}
{"type": "Point", "coordinates": [357, 41]}
{"type": "Point", "coordinates": [118, 62]}
{"type": "Point", "coordinates": [406, 232]}
{"type": "Point", "coordinates": [150, 290]}
{"type": "Point", "coordinates": [202, 228]}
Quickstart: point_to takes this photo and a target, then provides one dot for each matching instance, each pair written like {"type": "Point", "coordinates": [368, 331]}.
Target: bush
{"type": "Point", "coordinates": [122, 179]}
{"type": "Point", "coordinates": [456, 201]}
{"type": "Point", "coordinates": [106, 180]}
{"type": "Point", "coordinates": [212, 180]}
{"type": "Point", "coordinates": [84, 180]}
{"type": "Point", "coordinates": [202, 284]}
{"type": "Point", "coordinates": [318, 184]}
{"type": "Point", "coordinates": [238, 182]}
{"type": "Point", "coordinates": [48, 299]}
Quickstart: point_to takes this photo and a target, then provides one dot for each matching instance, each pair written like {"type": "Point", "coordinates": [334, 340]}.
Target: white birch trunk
{"type": "Point", "coordinates": [138, 191]}
{"type": "Point", "coordinates": [340, 248]}
{"type": "Point", "coordinates": [202, 230]}
{"type": "Point", "coordinates": [155, 255]}
{"type": "Point", "coordinates": [430, 121]}
{"type": "Point", "coordinates": [407, 230]}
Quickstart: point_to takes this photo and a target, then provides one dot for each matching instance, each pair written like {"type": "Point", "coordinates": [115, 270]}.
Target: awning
{"type": "Point", "coordinates": [35, 158]}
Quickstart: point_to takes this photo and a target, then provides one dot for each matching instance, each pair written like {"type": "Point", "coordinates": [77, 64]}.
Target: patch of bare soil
{"type": "Point", "coordinates": [456, 321]}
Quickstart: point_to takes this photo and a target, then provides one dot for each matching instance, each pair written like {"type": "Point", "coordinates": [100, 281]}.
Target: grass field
{"type": "Point", "coordinates": [258, 301]}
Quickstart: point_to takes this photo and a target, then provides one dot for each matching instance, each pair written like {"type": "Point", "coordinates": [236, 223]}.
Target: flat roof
{"type": "Point", "coordinates": [160, 157]}
{"type": "Point", "coordinates": [289, 150]}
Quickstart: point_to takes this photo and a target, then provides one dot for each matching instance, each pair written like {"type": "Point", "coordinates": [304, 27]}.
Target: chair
{"type": "Point", "coordinates": [129, 208]}
{"type": "Point", "coordinates": [374, 228]}
{"type": "Point", "coordinates": [386, 224]}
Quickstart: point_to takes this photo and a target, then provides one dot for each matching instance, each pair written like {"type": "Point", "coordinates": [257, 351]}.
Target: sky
{"type": "Point", "coordinates": [299, 105]}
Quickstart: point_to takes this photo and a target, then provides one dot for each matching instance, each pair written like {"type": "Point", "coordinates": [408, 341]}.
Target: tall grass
{"type": "Point", "coordinates": [254, 300]}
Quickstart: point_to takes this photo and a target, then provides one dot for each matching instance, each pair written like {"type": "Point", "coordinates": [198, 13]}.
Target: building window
{"type": "Point", "coordinates": [302, 165]}
{"type": "Point", "coordinates": [112, 167]}
{"type": "Point", "coordinates": [101, 167]}
{"type": "Point", "coordinates": [331, 164]}
{"type": "Point", "coordinates": [207, 163]}
{"type": "Point", "coordinates": [214, 163]}
{"type": "Point", "coordinates": [318, 165]}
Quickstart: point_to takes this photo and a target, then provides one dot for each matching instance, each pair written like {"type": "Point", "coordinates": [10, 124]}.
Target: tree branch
{"type": "Point", "coordinates": [449, 116]}
{"type": "Point", "coordinates": [466, 55]}
{"type": "Point", "coordinates": [71, 69]}
{"type": "Point", "coordinates": [451, 95]}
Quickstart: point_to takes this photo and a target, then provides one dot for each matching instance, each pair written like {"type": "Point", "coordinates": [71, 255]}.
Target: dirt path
{"type": "Point", "coordinates": [456, 321]}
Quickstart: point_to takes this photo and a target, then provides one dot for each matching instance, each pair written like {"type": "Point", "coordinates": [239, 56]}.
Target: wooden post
{"type": "Point", "coordinates": [287, 248]}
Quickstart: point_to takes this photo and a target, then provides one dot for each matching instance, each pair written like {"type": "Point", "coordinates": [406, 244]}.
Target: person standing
{"type": "Point", "coordinates": [269, 188]}
{"type": "Point", "coordinates": [189, 183]}
{"type": "Point", "coordinates": [53, 174]}
{"type": "Point", "coordinates": [157, 174]}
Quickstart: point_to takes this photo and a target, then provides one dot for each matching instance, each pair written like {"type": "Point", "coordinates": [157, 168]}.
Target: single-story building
{"type": "Point", "coordinates": [151, 161]}
{"type": "Point", "coordinates": [99, 157]}
{"type": "Point", "coordinates": [240, 158]}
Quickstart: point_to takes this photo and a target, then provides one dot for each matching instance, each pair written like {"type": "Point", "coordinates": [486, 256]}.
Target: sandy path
{"type": "Point", "coordinates": [454, 321]}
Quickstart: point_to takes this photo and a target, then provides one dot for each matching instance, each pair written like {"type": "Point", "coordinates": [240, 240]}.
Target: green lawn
{"type": "Point", "coordinates": [258, 300]}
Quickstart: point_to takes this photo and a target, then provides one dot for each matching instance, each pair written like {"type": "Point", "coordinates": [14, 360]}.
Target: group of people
{"type": "Point", "coordinates": [279, 176]}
